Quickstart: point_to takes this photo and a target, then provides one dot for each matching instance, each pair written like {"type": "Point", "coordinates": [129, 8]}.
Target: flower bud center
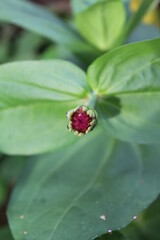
{"type": "Point", "coordinates": [81, 121]}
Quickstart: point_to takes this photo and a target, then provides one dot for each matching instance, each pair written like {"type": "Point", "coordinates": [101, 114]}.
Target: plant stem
{"type": "Point", "coordinates": [92, 100]}
{"type": "Point", "coordinates": [136, 19]}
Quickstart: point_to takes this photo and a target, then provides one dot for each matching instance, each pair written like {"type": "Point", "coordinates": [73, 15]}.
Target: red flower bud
{"type": "Point", "coordinates": [81, 120]}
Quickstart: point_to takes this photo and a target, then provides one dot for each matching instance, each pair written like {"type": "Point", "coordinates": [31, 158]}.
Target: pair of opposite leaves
{"type": "Point", "coordinates": [35, 96]}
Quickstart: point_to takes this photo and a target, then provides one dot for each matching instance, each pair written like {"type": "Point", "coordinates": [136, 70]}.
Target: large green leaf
{"type": "Point", "coordinates": [30, 81]}
{"type": "Point", "coordinates": [127, 81]}
{"type": "Point", "coordinates": [35, 18]}
{"type": "Point", "coordinates": [32, 120]}
{"type": "Point", "coordinates": [102, 23]}
{"type": "Point", "coordinates": [34, 128]}
{"type": "Point", "coordinates": [85, 190]}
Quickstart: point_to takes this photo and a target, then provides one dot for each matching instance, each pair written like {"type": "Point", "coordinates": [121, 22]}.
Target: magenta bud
{"type": "Point", "coordinates": [82, 120]}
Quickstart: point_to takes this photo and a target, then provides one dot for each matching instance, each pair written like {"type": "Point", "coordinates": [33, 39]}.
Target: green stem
{"type": "Point", "coordinates": [136, 19]}
{"type": "Point", "coordinates": [92, 100]}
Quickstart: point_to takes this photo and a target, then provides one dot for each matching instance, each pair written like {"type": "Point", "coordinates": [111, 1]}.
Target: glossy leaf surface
{"type": "Point", "coordinates": [127, 81]}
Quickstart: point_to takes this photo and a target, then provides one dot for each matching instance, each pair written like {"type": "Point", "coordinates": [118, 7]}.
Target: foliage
{"type": "Point", "coordinates": [99, 186]}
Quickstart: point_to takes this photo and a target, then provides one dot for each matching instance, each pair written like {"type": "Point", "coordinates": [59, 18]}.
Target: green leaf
{"type": "Point", "coordinates": [34, 128]}
{"type": "Point", "coordinates": [41, 81]}
{"type": "Point", "coordinates": [32, 113]}
{"type": "Point", "coordinates": [127, 81]}
{"type": "Point", "coordinates": [35, 18]}
{"type": "Point", "coordinates": [104, 31]}
{"type": "Point", "coordinates": [69, 194]}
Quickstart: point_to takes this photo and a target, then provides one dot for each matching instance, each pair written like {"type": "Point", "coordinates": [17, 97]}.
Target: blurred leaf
{"type": "Point", "coordinates": [11, 167]}
{"type": "Point", "coordinates": [69, 194]}
{"type": "Point", "coordinates": [5, 36]}
{"type": "Point", "coordinates": [5, 234]}
{"type": "Point", "coordinates": [137, 17]}
{"type": "Point", "coordinates": [35, 18]}
{"type": "Point", "coordinates": [79, 6]}
{"type": "Point", "coordinates": [125, 1]}
{"type": "Point", "coordinates": [4, 46]}
{"type": "Point", "coordinates": [128, 105]}
{"type": "Point", "coordinates": [32, 107]}
{"type": "Point", "coordinates": [26, 45]}
{"type": "Point", "coordinates": [144, 32]}
{"type": "Point", "coordinates": [110, 19]}
{"type": "Point", "coordinates": [3, 191]}
{"type": "Point", "coordinates": [60, 52]}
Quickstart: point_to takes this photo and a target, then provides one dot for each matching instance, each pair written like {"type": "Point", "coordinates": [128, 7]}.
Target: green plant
{"type": "Point", "coordinates": [71, 187]}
